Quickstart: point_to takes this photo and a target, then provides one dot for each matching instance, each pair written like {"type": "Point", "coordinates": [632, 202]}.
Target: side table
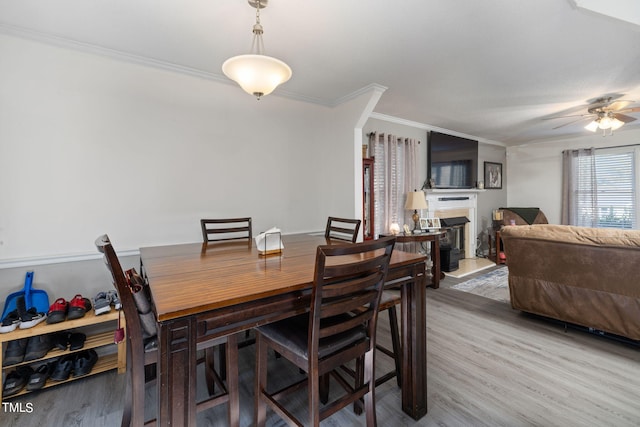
{"type": "Point", "coordinates": [434, 238]}
{"type": "Point", "coordinates": [495, 249]}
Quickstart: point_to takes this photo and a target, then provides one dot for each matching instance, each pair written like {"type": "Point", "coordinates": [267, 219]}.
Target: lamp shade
{"type": "Point", "coordinates": [416, 200]}
{"type": "Point", "coordinates": [257, 75]}
{"type": "Point", "coordinates": [593, 126]}
{"type": "Point", "coordinates": [616, 124]}
{"type": "Point", "coordinates": [605, 123]}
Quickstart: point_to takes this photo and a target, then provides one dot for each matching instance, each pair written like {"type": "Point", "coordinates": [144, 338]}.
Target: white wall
{"type": "Point", "coordinates": [535, 170]}
{"type": "Point", "coordinates": [92, 145]}
{"type": "Point", "coordinates": [490, 199]}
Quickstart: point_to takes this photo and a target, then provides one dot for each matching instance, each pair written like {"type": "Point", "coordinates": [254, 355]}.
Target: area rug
{"type": "Point", "coordinates": [494, 285]}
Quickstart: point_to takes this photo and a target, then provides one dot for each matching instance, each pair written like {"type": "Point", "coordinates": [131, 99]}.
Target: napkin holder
{"type": "Point", "coordinates": [269, 242]}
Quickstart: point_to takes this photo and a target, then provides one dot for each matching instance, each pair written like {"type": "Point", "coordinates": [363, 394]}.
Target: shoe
{"type": "Point", "coordinates": [57, 311]}
{"type": "Point", "coordinates": [84, 363]}
{"type": "Point", "coordinates": [78, 306]}
{"type": "Point", "coordinates": [15, 352]}
{"type": "Point", "coordinates": [28, 318]}
{"type": "Point", "coordinates": [10, 322]}
{"type": "Point", "coordinates": [31, 318]}
{"type": "Point", "coordinates": [151, 344]}
{"type": "Point", "coordinates": [62, 368]}
{"type": "Point", "coordinates": [101, 303]}
{"type": "Point", "coordinates": [60, 340]}
{"type": "Point", "coordinates": [16, 380]}
{"type": "Point", "coordinates": [114, 300]}
{"type": "Point", "coordinates": [76, 341]}
{"type": "Point", "coordinates": [37, 347]}
{"type": "Point", "coordinates": [39, 377]}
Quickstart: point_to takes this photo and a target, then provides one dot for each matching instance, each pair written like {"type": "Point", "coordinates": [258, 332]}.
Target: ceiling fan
{"type": "Point", "coordinates": [604, 113]}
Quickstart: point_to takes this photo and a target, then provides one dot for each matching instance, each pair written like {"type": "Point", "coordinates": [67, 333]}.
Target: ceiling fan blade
{"type": "Point", "coordinates": [624, 118]}
{"type": "Point", "coordinates": [589, 116]}
{"type": "Point", "coordinates": [564, 117]}
{"type": "Point", "coordinates": [628, 110]}
{"type": "Point", "coordinates": [619, 105]}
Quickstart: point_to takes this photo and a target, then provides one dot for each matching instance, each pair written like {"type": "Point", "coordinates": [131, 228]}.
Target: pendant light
{"type": "Point", "coordinates": [257, 73]}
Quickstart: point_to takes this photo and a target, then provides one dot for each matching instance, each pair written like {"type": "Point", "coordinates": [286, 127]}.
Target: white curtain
{"type": "Point", "coordinates": [579, 190]}
{"type": "Point", "coordinates": [395, 174]}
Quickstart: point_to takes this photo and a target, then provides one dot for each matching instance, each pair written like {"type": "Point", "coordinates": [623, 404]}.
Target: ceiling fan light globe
{"type": "Point", "coordinates": [605, 123]}
{"type": "Point", "coordinates": [616, 124]}
{"type": "Point", "coordinates": [593, 126]}
{"type": "Point", "coordinates": [257, 74]}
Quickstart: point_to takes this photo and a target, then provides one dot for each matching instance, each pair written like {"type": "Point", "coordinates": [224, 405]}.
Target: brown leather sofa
{"type": "Point", "coordinates": [584, 276]}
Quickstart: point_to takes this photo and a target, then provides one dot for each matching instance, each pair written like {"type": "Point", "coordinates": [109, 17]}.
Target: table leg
{"type": "Point", "coordinates": [177, 373]}
{"type": "Point", "coordinates": [435, 259]}
{"type": "Point", "coordinates": [414, 345]}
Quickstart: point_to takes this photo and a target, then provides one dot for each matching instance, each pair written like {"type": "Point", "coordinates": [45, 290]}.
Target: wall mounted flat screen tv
{"type": "Point", "coordinates": [452, 161]}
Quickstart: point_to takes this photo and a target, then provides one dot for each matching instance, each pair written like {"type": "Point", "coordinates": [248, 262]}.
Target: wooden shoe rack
{"type": "Point", "coordinates": [89, 324]}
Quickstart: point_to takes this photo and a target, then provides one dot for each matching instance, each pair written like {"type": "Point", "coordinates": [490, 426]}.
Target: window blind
{"type": "Point", "coordinates": [616, 189]}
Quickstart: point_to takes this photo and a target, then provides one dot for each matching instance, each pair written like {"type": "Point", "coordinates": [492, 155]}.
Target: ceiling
{"type": "Point", "coordinates": [493, 69]}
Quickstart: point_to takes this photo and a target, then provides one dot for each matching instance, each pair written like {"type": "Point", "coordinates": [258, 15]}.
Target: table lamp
{"type": "Point", "coordinates": [394, 228]}
{"type": "Point", "coordinates": [416, 200]}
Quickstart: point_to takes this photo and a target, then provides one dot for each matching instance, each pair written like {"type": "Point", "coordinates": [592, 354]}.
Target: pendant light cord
{"type": "Point", "coordinates": [257, 46]}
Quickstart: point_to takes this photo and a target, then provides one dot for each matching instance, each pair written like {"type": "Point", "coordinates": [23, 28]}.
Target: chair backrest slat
{"type": "Point", "coordinates": [342, 229]}
{"type": "Point", "coordinates": [348, 280]}
{"type": "Point", "coordinates": [224, 229]}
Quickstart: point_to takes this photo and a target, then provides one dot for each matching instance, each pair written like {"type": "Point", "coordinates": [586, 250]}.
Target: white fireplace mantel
{"type": "Point", "coordinates": [446, 203]}
{"type": "Point", "coordinates": [456, 190]}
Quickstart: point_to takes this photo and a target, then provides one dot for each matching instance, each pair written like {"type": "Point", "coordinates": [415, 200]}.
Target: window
{"type": "Point", "coordinates": [616, 189]}
{"type": "Point", "coordinates": [613, 201]}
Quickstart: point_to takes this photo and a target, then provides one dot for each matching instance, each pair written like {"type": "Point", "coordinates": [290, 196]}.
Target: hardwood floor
{"type": "Point", "coordinates": [488, 365]}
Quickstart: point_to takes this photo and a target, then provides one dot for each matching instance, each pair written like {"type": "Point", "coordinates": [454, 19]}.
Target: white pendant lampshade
{"type": "Point", "coordinates": [256, 73]}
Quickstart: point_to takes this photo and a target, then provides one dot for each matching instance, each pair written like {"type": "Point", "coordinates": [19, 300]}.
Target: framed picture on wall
{"type": "Point", "coordinates": [492, 175]}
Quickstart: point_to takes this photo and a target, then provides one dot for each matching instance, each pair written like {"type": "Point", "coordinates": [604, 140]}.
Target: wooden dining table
{"type": "Point", "coordinates": [201, 291]}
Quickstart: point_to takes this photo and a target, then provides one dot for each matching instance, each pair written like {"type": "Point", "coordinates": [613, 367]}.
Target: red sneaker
{"type": "Point", "coordinates": [57, 311]}
{"type": "Point", "coordinates": [78, 306]}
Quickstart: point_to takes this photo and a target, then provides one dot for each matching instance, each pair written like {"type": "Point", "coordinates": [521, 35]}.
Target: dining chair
{"type": "Point", "coordinates": [390, 299]}
{"type": "Point", "coordinates": [221, 229]}
{"type": "Point", "coordinates": [388, 302]}
{"type": "Point", "coordinates": [340, 327]}
{"type": "Point", "coordinates": [138, 358]}
{"type": "Point", "coordinates": [342, 229]}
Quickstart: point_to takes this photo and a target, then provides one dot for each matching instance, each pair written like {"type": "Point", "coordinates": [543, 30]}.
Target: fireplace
{"type": "Point", "coordinates": [452, 205]}
{"type": "Point", "coordinates": [455, 238]}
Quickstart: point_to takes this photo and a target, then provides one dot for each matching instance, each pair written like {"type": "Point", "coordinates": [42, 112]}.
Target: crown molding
{"type": "Point", "coordinates": [418, 125]}
{"type": "Point", "coordinates": [63, 42]}
{"type": "Point", "coordinates": [108, 52]}
{"type": "Point", "coordinates": [93, 49]}
{"type": "Point", "coordinates": [366, 89]}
